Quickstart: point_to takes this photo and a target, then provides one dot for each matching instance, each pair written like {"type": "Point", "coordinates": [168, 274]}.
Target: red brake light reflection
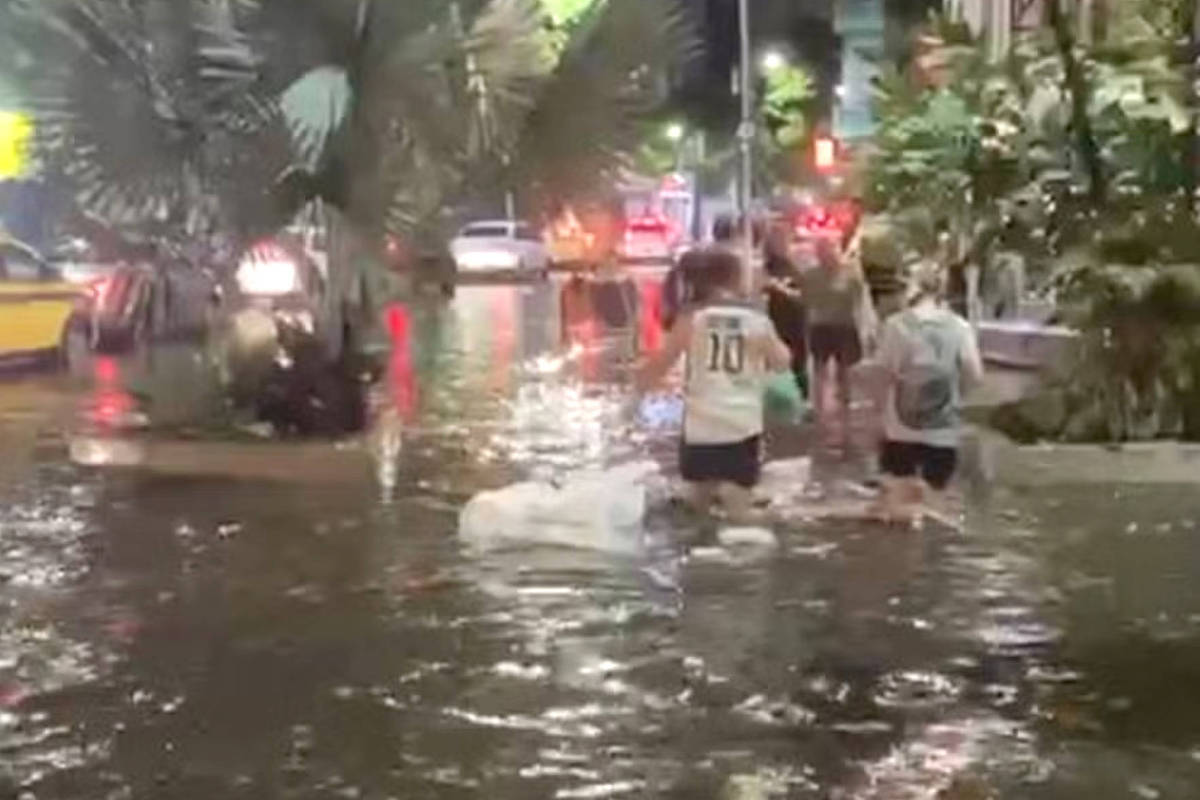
{"type": "Point", "coordinates": [106, 372]}
{"type": "Point", "coordinates": [98, 288]}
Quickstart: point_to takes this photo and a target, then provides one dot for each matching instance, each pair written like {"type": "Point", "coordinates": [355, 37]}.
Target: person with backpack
{"type": "Point", "coordinates": [931, 357]}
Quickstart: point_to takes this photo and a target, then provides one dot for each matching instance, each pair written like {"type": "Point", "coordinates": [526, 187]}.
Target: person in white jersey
{"type": "Point", "coordinates": [731, 348]}
{"type": "Point", "coordinates": [931, 357]}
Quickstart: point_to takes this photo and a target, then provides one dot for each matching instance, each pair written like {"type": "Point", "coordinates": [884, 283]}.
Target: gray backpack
{"type": "Point", "coordinates": [927, 386]}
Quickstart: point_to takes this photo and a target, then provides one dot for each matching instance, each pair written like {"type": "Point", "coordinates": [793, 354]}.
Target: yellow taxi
{"type": "Point", "coordinates": [37, 306]}
{"type": "Point", "coordinates": [571, 245]}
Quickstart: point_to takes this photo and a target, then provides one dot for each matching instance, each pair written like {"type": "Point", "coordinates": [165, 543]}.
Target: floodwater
{"type": "Point", "coordinates": [176, 636]}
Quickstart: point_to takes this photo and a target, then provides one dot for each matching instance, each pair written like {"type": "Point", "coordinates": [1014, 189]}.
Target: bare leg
{"type": "Point", "coordinates": [737, 502]}
{"type": "Point", "coordinates": [901, 501]}
{"type": "Point", "coordinates": [843, 388]}
{"type": "Point", "coordinates": [913, 501]}
{"type": "Point", "coordinates": [699, 496]}
{"type": "Point", "coordinates": [818, 391]}
{"type": "Point", "coordinates": [889, 506]}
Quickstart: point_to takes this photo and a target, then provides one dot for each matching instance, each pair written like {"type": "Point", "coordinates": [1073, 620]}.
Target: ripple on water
{"type": "Point", "coordinates": [777, 712]}
{"type": "Point", "coordinates": [597, 790]}
{"type": "Point", "coordinates": [952, 758]}
{"type": "Point", "coordinates": [914, 689]}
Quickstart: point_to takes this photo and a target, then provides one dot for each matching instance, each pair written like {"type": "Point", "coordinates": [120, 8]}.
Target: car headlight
{"type": "Point", "coordinates": [488, 259]}
{"type": "Point", "coordinates": [268, 271]}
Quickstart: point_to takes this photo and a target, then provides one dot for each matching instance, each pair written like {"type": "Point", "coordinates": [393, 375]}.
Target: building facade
{"type": "Point", "coordinates": [861, 27]}
{"type": "Point", "coordinates": [999, 20]}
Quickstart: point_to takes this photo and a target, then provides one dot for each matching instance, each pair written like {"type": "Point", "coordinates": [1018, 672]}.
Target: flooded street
{"type": "Point", "coordinates": [322, 635]}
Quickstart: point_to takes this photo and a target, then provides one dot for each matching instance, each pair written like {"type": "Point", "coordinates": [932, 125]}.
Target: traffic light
{"type": "Point", "coordinates": [825, 153]}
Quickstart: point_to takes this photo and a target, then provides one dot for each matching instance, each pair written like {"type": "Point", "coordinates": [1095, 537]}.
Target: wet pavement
{"type": "Point", "coordinates": [176, 636]}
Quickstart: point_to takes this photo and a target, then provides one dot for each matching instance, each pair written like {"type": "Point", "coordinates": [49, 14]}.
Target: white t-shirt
{"type": "Point", "coordinates": [726, 375]}
{"type": "Point", "coordinates": [894, 350]}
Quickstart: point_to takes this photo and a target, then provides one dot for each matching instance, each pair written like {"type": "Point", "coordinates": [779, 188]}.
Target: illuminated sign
{"type": "Point", "coordinates": [826, 153]}
{"type": "Point", "coordinates": [16, 130]}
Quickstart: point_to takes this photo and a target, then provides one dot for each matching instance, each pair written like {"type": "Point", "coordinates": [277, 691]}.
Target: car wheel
{"type": "Point", "coordinates": [113, 340]}
{"type": "Point", "coordinates": [74, 349]}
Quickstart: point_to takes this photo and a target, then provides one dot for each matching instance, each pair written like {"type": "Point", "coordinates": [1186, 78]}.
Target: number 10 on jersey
{"type": "Point", "coordinates": [726, 352]}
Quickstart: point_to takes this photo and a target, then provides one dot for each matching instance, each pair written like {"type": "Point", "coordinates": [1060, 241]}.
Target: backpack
{"type": "Point", "coordinates": [927, 387]}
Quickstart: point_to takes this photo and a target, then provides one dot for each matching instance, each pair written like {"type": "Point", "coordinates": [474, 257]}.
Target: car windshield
{"type": "Point", "coordinates": [485, 232]}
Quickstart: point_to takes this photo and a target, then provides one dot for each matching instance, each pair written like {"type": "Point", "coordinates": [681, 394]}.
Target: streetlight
{"type": "Point", "coordinates": [773, 61]}
{"type": "Point", "coordinates": [675, 132]}
{"type": "Point", "coordinates": [745, 140]}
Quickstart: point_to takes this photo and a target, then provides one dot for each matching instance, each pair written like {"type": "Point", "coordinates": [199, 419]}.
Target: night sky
{"type": "Point", "coordinates": [802, 28]}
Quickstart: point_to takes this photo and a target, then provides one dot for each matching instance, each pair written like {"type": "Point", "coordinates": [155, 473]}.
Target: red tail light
{"type": "Point", "coordinates": [819, 220]}
{"type": "Point", "coordinates": [98, 289]}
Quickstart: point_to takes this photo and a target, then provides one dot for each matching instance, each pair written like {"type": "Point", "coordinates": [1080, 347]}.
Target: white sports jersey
{"type": "Point", "coordinates": [723, 394]}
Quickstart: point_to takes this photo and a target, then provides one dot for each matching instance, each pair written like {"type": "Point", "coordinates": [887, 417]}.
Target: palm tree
{"type": "Point", "coordinates": [464, 102]}
{"type": "Point", "coordinates": [235, 112]}
{"type": "Point", "coordinates": [172, 132]}
{"type": "Point", "coordinates": [597, 106]}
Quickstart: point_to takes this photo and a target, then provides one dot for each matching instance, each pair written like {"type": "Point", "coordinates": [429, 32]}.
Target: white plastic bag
{"type": "Point", "coordinates": [784, 482]}
{"type": "Point", "coordinates": [590, 509]}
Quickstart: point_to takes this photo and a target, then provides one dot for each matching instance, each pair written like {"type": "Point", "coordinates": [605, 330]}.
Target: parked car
{"type": "Point", "coordinates": [39, 308]}
{"type": "Point", "coordinates": [500, 247]}
{"type": "Point", "coordinates": [572, 246]}
{"type": "Point", "coordinates": [649, 239]}
{"type": "Point", "coordinates": [153, 293]}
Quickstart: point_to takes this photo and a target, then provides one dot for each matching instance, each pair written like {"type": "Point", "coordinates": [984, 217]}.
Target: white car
{"type": "Point", "coordinates": [500, 246]}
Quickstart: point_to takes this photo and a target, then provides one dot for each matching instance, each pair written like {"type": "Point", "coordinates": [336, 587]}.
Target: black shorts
{"type": "Point", "coordinates": [837, 342]}
{"type": "Point", "coordinates": [737, 462]}
{"type": "Point", "coordinates": [935, 465]}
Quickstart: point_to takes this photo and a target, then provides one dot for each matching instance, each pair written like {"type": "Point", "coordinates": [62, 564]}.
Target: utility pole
{"type": "Point", "coordinates": [1191, 149]}
{"type": "Point", "coordinates": [746, 142]}
{"type": "Point", "coordinates": [478, 88]}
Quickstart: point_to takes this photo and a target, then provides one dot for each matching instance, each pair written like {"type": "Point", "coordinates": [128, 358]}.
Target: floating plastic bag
{"type": "Point", "coordinates": [784, 482]}
{"type": "Point", "coordinates": [590, 509]}
{"type": "Point", "coordinates": [747, 537]}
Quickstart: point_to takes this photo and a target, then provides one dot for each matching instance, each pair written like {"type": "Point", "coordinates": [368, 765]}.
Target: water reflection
{"type": "Point", "coordinates": [218, 638]}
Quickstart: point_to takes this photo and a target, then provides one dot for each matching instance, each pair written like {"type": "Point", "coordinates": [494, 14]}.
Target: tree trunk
{"type": "Point", "coordinates": [1081, 122]}
{"type": "Point", "coordinates": [1191, 147]}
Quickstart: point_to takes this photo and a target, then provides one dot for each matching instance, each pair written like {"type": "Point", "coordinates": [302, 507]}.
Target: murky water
{"type": "Point", "coordinates": [198, 637]}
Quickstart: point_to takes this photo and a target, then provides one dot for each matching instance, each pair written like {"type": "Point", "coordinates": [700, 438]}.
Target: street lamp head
{"type": "Point", "coordinates": [773, 60]}
{"type": "Point", "coordinates": [675, 132]}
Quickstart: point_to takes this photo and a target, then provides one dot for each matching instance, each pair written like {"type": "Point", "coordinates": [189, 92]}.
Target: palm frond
{"type": "Point", "coordinates": [509, 54]}
{"type": "Point", "coordinates": [450, 96]}
{"type": "Point", "coordinates": [591, 115]}
{"type": "Point", "coordinates": [141, 128]}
